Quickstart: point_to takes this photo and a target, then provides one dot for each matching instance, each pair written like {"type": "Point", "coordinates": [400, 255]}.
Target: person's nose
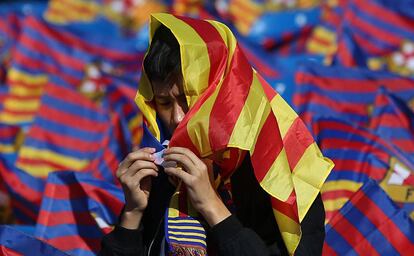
{"type": "Point", "coordinates": [178, 114]}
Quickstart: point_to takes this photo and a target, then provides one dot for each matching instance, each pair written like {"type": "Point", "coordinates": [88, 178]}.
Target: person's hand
{"type": "Point", "coordinates": [194, 174]}
{"type": "Point", "coordinates": [134, 174]}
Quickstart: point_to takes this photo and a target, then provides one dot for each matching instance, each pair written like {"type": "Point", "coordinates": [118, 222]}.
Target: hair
{"type": "Point", "coordinates": [162, 62]}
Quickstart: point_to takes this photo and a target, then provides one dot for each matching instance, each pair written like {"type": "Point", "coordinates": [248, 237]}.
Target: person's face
{"type": "Point", "coordinates": [170, 103]}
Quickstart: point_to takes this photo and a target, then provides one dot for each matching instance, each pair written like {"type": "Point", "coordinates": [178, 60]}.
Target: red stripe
{"type": "Point", "coordinates": [387, 16]}
{"type": "Point", "coordinates": [359, 85]}
{"type": "Point", "coordinates": [288, 208]}
{"type": "Point", "coordinates": [230, 101]}
{"type": "Point", "coordinates": [339, 192]}
{"type": "Point", "coordinates": [63, 140]}
{"type": "Point", "coordinates": [22, 98]}
{"type": "Point", "coordinates": [71, 120]}
{"type": "Point", "coordinates": [68, 243]}
{"type": "Point", "coordinates": [13, 181]}
{"type": "Point", "coordinates": [392, 120]}
{"type": "Point", "coordinates": [266, 150]}
{"type": "Point", "coordinates": [352, 235]}
{"type": "Point", "coordinates": [71, 96]}
{"type": "Point", "coordinates": [65, 217]}
{"type": "Point", "coordinates": [327, 250]}
{"type": "Point", "coordinates": [59, 56]}
{"type": "Point", "coordinates": [330, 214]}
{"type": "Point", "coordinates": [407, 145]}
{"type": "Point", "coordinates": [9, 131]}
{"type": "Point", "coordinates": [296, 141]}
{"type": "Point", "coordinates": [311, 98]}
{"type": "Point", "coordinates": [268, 90]}
{"type": "Point", "coordinates": [8, 252]}
{"type": "Point", "coordinates": [21, 83]}
{"type": "Point", "coordinates": [66, 38]}
{"type": "Point", "coordinates": [383, 223]}
{"type": "Point", "coordinates": [344, 56]}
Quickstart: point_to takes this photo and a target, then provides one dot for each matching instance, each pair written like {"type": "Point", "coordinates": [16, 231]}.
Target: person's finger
{"type": "Point", "coordinates": [133, 182]}
{"type": "Point", "coordinates": [182, 160]}
{"type": "Point", "coordinates": [138, 165]}
{"type": "Point", "coordinates": [142, 154]}
{"type": "Point", "coordinates": [179, 173]}
{"type": "Point", "coordinates": [184, 151]}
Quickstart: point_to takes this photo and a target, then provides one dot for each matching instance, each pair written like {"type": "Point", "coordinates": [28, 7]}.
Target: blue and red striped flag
{"type": "Point", "coordinates": [16, 243]}
{"type": "Point", "coordinates": [393, 120]}
{"type": "Point", "coordinates": [77, 210]}
{"type": "Point", "coordinates": [370, 224]}
{"type": "Point", "coordinates": [360, 155]}
{"type": "Point", "coordinates": [345, 92]}
{"type": "Point", "coordinates": [373, 32]}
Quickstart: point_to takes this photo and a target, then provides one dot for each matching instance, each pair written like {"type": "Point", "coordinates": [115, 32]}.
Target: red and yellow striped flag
{"type": "Point", "coordinates": [231, 106]}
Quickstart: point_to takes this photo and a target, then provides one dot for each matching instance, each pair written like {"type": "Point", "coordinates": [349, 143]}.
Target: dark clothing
{"type": "Point", "coordinates": [251, 230]}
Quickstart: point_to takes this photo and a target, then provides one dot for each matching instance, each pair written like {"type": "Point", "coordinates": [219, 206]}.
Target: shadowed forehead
{"type": "Point", "coordinates": [162, 89]}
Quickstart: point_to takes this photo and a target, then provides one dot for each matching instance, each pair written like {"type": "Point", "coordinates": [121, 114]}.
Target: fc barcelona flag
{"type": "Point", "coordinates": [360, 155]}
{"type": "Point", "coordinates": [370, 224]}
{"type": "Point", "coordinates": [345, 92]}
{"type": "Point", "coordinates": [232, 107]}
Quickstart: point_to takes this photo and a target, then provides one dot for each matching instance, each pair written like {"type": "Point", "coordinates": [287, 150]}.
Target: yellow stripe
{"type": "Point", "coordinates": [41, 170]}
{"type": "Point", "coordinates": [334, 204]}
{"type": "Point", "coordinates": [50, 156]}
{"type": "Point", "coordinates": [227, 37]}
{"type": "Point", "coordinates": [290, 231]}
{"type": "Point", "coordinates": [135, 122]}
{"type": "Point", "coordinates": [285, 115]}
{"type": "Point", "coordinates": [341, 184]}
{"type": "Point", "coordinates": [324, 34]}
{"type": "Point", "coordinates": [195, 61]}
{"type": "Point", "coordinates": [9, 118]}
{"type": "Point", "coordinates": [189, 240]}
{"type": "Point", "coordinates": [188, 228]}
{"type": "Point", "coordinates": [308, 177]}
{"type": "Point", "coordinates": [183, 221]}
{"type": "Point", "coordinates": [24, 91]}
{"type": "Point", "coordinates": [251, 118]}
{"type": "Point", "coordinates": [72, 5]}
{"type": "Point", "coordinates": [278, 180]}
{"type": "Point", "coordinates": [4, 148]}
{"type": "Point", "coordinates": [17, 75]}
{"type": "Point", "coordinates": [187, 234]}
{"type": "Point", "coordinates": [21, 104]}
{"type": "Point", "coordinates": [173, 209]}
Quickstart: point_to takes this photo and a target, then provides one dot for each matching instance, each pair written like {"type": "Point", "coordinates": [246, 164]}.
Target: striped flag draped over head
{"type": "Point", "coordinates": [370, 224]}
{"type": "Point", "coordinates": [393, 120]}
{"type": "Point", "coordinates": [231, 106]}
{"type": "Point", "coordinates": [359, 155]}
{"type": "Point", "coordinates": [345, 92]}
{"type": "Point", "coordinates": [76, 211]}
{"type": "Point", "coordinates": [16, 243]}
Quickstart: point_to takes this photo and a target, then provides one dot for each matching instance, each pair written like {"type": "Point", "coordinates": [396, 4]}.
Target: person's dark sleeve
{"type": "Point", "coordinates": [230, 238]}
{"type": "Point", "coordinates": [122, 241]}
{"type": "Point", "coordinates": [313, 230]}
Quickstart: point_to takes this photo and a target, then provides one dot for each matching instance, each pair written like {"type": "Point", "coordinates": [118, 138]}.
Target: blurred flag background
{"type": "Point", "coordinates": [69, 70]}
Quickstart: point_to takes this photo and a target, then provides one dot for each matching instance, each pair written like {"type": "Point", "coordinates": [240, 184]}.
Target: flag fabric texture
{"type": "Point", "coordinates": [393, 120]}
{"type": "Point", "coordinates": [77, 210]}
{"type": "Point", "coordinates": [14, 242]}
{"type": "Point", "coordinates": [370, 224]}
{"type": "Point", "coordinates": [343, 92]}
{"type": "Point", "coordinates": [231, 106]}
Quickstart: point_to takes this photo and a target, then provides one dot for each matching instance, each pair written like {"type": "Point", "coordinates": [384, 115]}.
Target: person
{"type": "Point", "coordinates": [235, 215]}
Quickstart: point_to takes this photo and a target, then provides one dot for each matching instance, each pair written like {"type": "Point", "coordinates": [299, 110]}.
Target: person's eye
{"type": "Point", "coordinates": [163, 102]}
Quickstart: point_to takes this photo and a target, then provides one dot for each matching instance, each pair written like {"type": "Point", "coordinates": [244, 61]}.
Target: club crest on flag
{"type": "Point", "coordinates": [398, 183]}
